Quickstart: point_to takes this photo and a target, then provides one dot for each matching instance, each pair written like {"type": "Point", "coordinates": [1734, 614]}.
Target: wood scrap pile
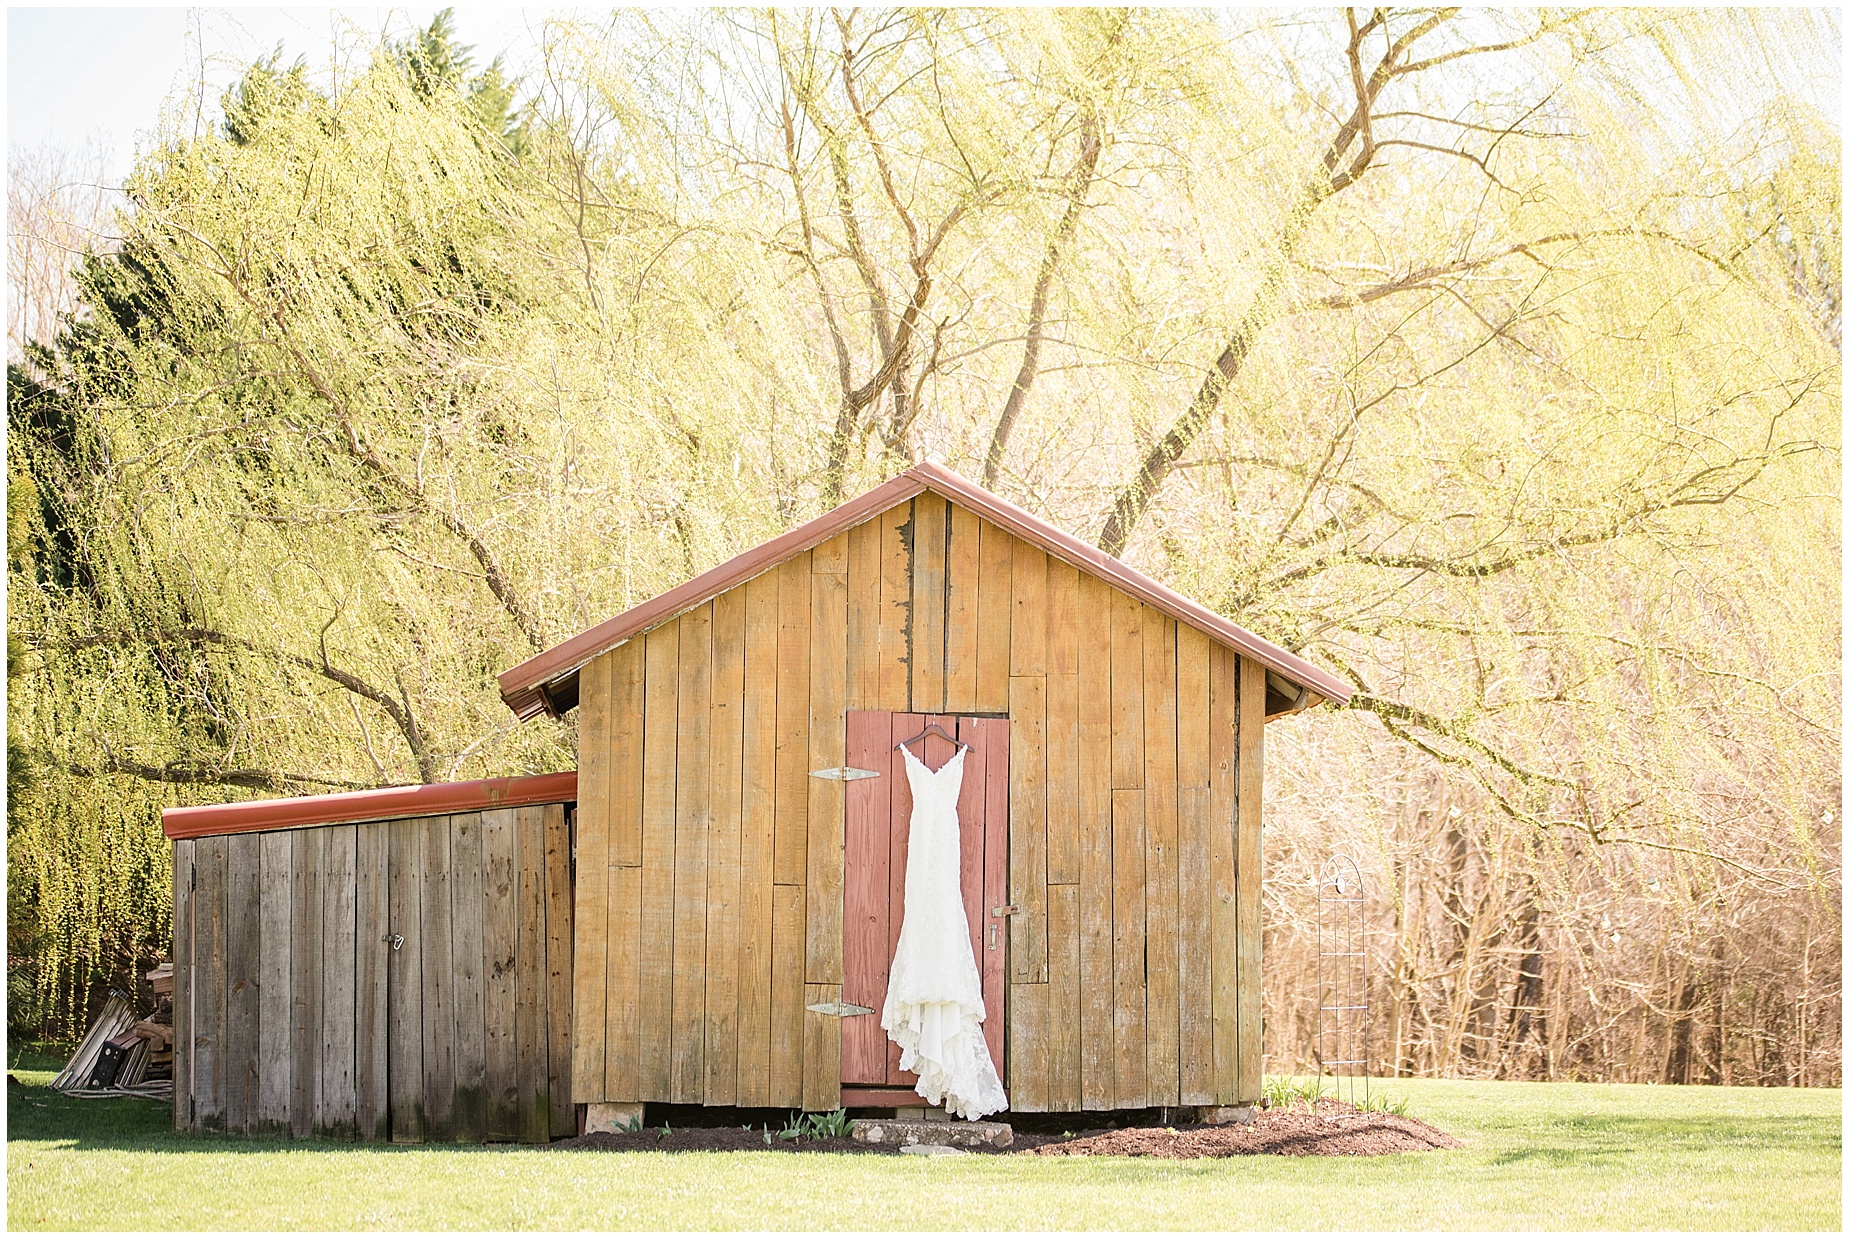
{"type": "Point", "coordinates": [157, 1030]}
{"type": "Point", "coordinates": [122, 1056]}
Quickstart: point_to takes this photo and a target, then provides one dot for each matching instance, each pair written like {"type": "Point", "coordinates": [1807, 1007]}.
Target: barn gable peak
{"type": "Point", "coordinates": [547, 683]}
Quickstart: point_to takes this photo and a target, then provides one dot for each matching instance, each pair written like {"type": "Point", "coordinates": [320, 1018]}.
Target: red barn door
{"type": "Point", "coordinates": [879, 812]}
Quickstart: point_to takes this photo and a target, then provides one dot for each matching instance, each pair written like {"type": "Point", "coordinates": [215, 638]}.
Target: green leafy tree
{"type": "Point", "coordinates": [1492, 358]}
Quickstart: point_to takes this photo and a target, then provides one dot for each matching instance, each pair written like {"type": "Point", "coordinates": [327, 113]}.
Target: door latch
{"type": "Point", "coordinates": [1007, 909]}
{"type": "Point", "coordinates": [839, 1008]}
{"type": "Point", "coordinates": [844, 774]}
{"type": "Point", "coordinates": [397, 940]}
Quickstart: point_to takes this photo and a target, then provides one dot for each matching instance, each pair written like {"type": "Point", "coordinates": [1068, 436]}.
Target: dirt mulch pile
{"type": "Point", "coordinates": [1333, 1129]}
{"type": "Point", "coordinates": [710, 1140]}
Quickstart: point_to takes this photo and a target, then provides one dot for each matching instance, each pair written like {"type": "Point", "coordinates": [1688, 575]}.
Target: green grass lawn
{"type": "Point", "coordinates": [1547, 1156]}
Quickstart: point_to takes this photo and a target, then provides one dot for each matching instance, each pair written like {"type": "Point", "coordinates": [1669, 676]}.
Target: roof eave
{"type": "Point", "coordinates": [527, 688]}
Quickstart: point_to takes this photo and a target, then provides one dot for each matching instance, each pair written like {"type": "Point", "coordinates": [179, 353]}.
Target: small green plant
{"type": "Point", "coordinates": [633, 1123]}
{"type": "Point", "coordinates": [1282, 1091]}
{"type": "Point", "coordinates": [1384, 1103]}
{"type": "Point", "coordinates": [833, 1124]}
{"type": "Point", "coordinates": [814, 1126]}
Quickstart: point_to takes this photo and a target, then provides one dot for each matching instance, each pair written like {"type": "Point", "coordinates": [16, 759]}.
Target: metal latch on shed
{"type": "Point", "coordinates": [844, 774]}
{"type": "Point", "coordinates": [839, 1008]}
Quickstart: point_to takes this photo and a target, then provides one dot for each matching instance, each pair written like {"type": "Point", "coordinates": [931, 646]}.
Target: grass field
{"type": "Point", "coordinates": [1546, 1156]}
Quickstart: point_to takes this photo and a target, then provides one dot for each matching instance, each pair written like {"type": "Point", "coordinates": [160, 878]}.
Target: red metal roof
{"type": "Point", "coordinates": [535, 685]}
{"type": "Point", "coordinates": [380, 805]}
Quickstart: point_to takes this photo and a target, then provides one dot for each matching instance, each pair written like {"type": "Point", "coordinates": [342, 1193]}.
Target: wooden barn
{"type": "Point", "coordinates": [740, 881]}
{"type": "Point", "coordinates": [705, 913]}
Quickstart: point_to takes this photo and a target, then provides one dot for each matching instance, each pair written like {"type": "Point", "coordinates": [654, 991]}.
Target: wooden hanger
{"type": "Point", "coordinates": [932, 729]}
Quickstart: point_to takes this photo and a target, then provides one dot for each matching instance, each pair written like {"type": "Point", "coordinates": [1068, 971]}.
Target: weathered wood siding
{"type": "Point", "coordinates": [1133, 800]}
{"type": "Point", "coordinates": [312, 1024]}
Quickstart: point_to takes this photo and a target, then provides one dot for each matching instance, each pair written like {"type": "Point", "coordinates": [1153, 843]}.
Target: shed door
{"type": "Point", "coordinates": [878, 816]}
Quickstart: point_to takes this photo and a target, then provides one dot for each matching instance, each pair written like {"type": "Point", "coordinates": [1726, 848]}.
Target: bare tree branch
{"type": "Point", "coordinates": [397, 708]}
{"type": "Point", "coordinates": [1338, 170]}
{"type": "Point", "coordinates": [1078, 185]}
{"type": "Point", "coordinates": [1706, 487]}
{"type": "Point", "coordinates": [208, 774]}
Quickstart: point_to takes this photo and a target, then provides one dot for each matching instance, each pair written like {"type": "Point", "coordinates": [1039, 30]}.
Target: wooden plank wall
{"type": "Point", "coordinates": [307, 1021]}
{"type": "Point", "coordinates": [714, 916]}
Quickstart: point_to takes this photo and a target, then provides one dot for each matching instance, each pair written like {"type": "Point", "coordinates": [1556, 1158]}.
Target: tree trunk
{"type": "Point", "coordinates": [1676, 1066]}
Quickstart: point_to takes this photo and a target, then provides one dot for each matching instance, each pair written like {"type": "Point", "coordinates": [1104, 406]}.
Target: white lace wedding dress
{"type": "Point", "coordinates": [934, 1009]}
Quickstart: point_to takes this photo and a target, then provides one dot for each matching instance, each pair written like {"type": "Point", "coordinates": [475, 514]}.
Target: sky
{"type": "Point", "coordinates": [86, 76]}
{"type": "Point", "coordinates": [81, 76]}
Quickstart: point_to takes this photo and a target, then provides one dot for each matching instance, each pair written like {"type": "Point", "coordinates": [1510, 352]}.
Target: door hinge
{"type": "Point", "coordinates": [844, 774]}
{"type": "Point", "coordinates": [839, 1008]}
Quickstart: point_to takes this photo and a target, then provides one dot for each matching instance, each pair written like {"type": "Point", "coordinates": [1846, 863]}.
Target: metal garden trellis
{"type": "Point", "coordinates": [1341, 977]}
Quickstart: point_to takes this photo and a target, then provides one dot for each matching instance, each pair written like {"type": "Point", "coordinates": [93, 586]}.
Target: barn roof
{"type": "Point", "coordinates": [547, 683]}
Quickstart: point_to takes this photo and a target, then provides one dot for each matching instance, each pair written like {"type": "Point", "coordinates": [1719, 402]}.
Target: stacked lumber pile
{"type": "Point", "coordinates": [157, 1029]}
{"type": "Point", "coordinates": [158, 1038]}
{"type": "Point", "coordinates": [122, 1056]}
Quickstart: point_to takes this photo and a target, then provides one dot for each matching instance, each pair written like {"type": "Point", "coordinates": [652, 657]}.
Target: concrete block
{"type": "Point", "coordinates": [612, 1116]}
{"type": "Point", "coordinates": [1223, 1116]}
{"type": "Point", "coordinates": [903, 1132]}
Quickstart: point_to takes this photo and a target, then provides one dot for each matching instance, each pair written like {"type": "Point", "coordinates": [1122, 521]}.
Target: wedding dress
{"type": "Point", "coordinates": [934, 1009]}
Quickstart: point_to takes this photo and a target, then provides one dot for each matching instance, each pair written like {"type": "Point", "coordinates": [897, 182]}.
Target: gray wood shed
{"type": "Point", "coordinates": [391, 965]}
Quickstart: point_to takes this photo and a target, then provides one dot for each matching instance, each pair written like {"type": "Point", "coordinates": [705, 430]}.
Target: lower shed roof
{"type": "Point", "coordinates": [377, 805]}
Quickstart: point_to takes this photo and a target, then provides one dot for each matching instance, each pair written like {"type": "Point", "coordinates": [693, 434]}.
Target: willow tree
{"type": "Point", "coordinates": [1373, 329]}
{"type": "Point", "coordinates": [1489, 357]}
{"type": "Point", "coordinates": [233, 563]}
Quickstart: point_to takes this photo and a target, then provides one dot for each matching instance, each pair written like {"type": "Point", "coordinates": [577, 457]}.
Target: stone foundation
{"type": "Point", "coordinates": [903, 1132]}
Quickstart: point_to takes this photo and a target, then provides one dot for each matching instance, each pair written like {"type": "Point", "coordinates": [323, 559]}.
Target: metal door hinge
{"type": "Point", "coordinates": [844, 774]}
{"type": "Point", "coordinates": [839, 1008]}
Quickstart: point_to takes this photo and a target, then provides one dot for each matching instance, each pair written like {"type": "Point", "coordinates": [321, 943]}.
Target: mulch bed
{"type": "Point", "coordinates": [1333, 1129]}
